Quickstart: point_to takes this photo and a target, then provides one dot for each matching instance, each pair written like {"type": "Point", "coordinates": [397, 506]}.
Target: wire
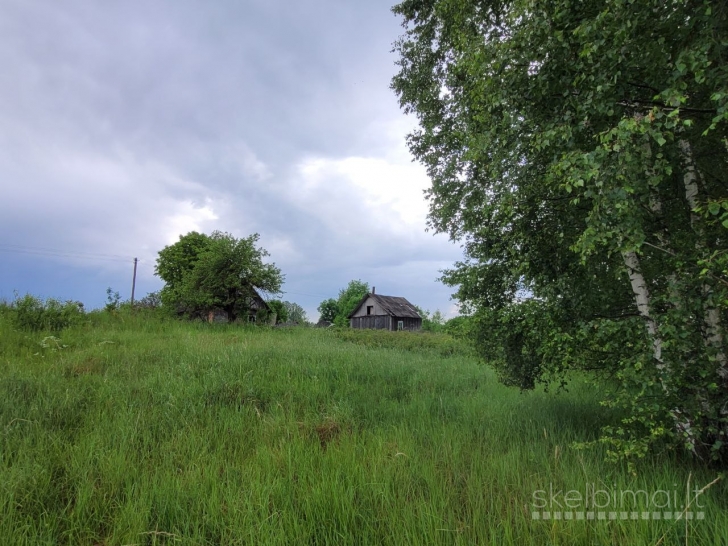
{"type": "Point", "coordinates": [78, 254]}
{"type": "Point", "coordinates": [70, 251]}
{"type": "Point", "coordinates": [302, 294]}
{"type": "Point", "coordinates": [5, 247]}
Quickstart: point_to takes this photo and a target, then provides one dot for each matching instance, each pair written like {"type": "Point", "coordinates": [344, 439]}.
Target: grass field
{"type": "Point", "coordinates": [129, 430]}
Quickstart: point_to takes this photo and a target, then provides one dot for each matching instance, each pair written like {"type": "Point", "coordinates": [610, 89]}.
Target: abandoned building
{"type": "Point", "coordinates": [253, 304]}
{"type": "Point", "coordinates": [385, 313]}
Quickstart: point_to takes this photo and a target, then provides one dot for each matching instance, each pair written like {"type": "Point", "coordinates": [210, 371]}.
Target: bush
{"type": "Point", "coordinates": [113, 300]}
{"type": "Point", "coordinates": [35, 314]}
{"type": "Point", "coordinates": [279, 309]}
{"type": "Point", "coordinates": [460, 327]}
{"type": "Point", "coordinates": [153, 300]}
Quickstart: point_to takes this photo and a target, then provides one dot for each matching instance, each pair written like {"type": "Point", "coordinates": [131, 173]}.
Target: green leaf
{"type": "Point", "coordinates": [524, 142]}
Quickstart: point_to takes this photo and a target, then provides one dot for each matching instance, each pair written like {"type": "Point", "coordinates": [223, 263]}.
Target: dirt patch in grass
{"type": "Point", "coordinates": [327, 432]}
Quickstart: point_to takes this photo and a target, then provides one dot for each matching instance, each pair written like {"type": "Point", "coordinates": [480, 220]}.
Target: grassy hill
{"type": "Point", "coordinates": [132, 430]}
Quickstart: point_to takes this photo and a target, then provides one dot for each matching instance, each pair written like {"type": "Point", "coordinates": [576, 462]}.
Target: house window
{"type": "Point", "coordinates": [370, 309]}
{"type": "Point", "coordinates": [400, 325]}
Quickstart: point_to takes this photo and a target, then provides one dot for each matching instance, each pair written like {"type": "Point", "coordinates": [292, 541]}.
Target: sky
{"type": "Point", "coordinates": [127, 123]}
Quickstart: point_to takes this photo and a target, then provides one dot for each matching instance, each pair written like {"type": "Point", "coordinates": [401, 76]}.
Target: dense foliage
{"type": "Point", "coordinates": [279, 309]}
{"type": "Point", "coordinates": [218, 271]}
{"type": "Point", "coordinates": [460, 327]}
{"type": "Point", "coordinates": [349, 298]}
{"type": "Point", "coordinates": [578, 149]}
{"type": "Point", "coordinates": [328, 309]}
{"type": "Point", "coordinates": [34, 314]}
{"type": "Point", "coordinates": [295, 312]}
{"type": "Point", "coordinates": [338, 310]}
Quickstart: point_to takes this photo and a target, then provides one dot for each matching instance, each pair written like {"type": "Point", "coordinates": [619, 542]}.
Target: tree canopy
{"type": "Point", "coordinates": [328, 310]}
{"type": "Point", "coordinates": [431, 322]}
{"type": "Point", "coordinates": [202, 272]}
{"type": "Point", "coordinates": [295, 312]}
{"type": "Point", "coordinates": [349, 297]}
{"type": "Point", "coordinates": [578, 149]}
{"type": "Point", "coordinates": [338, 310]}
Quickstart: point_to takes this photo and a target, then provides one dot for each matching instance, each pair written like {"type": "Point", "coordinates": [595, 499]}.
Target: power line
{"type": "Point", "coordinates": [82, 255]}
{"type": "Point", "coordinates": [22, 247]}
{"type": "Point", "coordinates": [61, 253]}
{"type": "Point", "coordinates": [302, 294]}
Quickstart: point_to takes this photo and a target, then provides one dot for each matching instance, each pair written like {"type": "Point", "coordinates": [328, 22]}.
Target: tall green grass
{"type": "Point", "coordinates": [128, 429]}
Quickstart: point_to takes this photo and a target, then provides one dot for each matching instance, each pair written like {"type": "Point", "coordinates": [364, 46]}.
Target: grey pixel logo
{"type": "Point", "coordinates": [592, 503]}
{"type": "Point", "coordinates": [582, 515]}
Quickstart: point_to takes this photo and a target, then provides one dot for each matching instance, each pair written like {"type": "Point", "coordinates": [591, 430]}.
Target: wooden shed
{"type": "Point", "coordinates": [385, 313]}
{"type": "Point", "coordinates": [253, 303]}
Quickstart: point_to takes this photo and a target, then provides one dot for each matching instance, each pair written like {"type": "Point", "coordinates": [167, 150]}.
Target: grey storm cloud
{"type": "Point", "coordinates": [124, 124]}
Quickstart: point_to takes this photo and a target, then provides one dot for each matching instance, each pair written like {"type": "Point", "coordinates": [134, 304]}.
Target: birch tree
{"type": "Point", "coordinates": [579, 151]}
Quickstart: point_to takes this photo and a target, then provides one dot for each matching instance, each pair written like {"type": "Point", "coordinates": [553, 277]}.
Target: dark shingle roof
{"type": "Point", "coordinates": [392, 305]}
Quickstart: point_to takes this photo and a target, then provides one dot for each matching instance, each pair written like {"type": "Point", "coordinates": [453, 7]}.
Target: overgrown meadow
{"type": "Point", "coordinates": [131, 429]}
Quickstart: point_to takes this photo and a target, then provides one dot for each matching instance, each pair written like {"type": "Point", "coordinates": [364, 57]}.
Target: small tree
{"type": "Point", "coordinates": [202, 272]}
{"type": "Point", "coordinates": [349, 297]}
{"type": "Point", "coordinates": [113, 300]}
{"type": "Point", "coordinates": [296, 313]}
{"type": "Point", "coordinates": [329, 309]}
{"type": "Point", "coordinates": [434, 322]}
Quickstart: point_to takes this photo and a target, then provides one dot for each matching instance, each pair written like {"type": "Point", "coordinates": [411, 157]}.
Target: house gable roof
{"type": "Point", "coordinates": [257, 296]}
{"type": "Point", "coordinates": [392, 305]}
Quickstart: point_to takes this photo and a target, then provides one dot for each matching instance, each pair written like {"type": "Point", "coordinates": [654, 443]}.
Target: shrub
{"type": "Point", "coordinates": [113, 300]}
{"type": "Point", "coordinates": [460, 327]}
{"type": "Point", "coordinates": [35, 314]}
{"type": "Point", "coordinates": [153, 300]}
{"type": "Point", "coordinates": [279, 309]}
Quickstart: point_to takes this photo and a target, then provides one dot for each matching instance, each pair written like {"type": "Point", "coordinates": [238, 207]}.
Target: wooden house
{"type": "Point", "coordinates": [385, 313]}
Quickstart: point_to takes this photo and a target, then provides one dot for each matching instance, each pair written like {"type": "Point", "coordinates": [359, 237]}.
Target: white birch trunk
{"type": "Point", "coordinates": [642, 299]}
{"type": "Point", "coordinates": [690, 181]}
{"type": "Point", "coordinates": [713, 328]}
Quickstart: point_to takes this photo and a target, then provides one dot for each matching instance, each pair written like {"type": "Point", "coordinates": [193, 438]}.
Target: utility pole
{"type": "Point", "coordinates": [133, 283]}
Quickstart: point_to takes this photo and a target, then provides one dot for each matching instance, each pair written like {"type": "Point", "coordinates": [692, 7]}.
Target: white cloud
{"type": "Point", "coordinates": [186, 218]}
{"type": "Point", "coordinates": [378, 196]}
{"type": "Point", "coordinates": [103, 203]}
{"type": "Point", "coordinates": [391, 192]}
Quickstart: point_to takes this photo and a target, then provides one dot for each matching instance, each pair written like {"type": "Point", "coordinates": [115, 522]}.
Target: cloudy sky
{"type": "Point", "coordinates": [125, 123]}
